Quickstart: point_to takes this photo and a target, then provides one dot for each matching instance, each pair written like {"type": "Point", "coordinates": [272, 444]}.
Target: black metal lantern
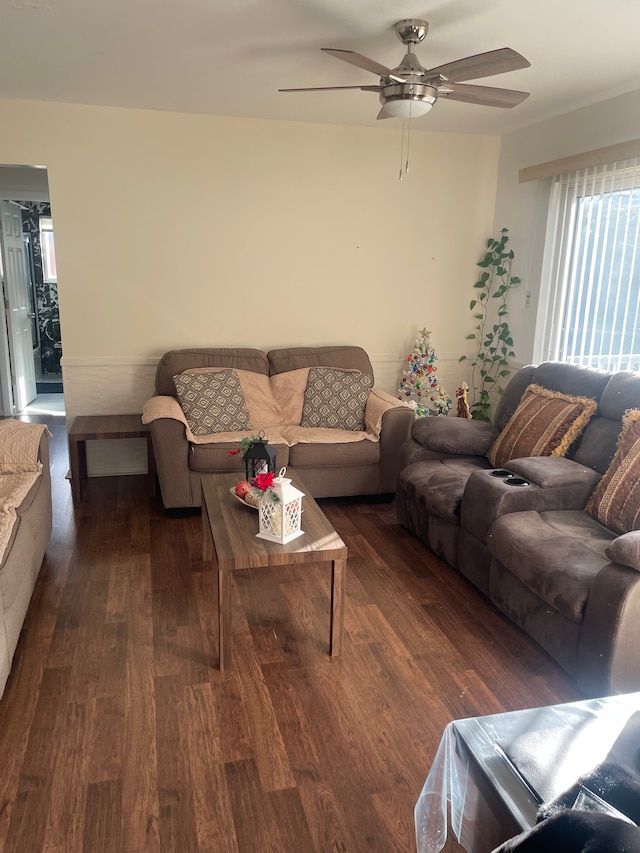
{"type": "Point", "coordinates": [260, 458]}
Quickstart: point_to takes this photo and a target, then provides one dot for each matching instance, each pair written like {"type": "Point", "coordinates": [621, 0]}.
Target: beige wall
{"type": "Point", "coordinates": [523, 207]}
{"type": "Point", "coordinates": [177, 230]}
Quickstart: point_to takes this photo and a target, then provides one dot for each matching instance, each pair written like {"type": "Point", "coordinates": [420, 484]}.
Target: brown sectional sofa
{"type": "Point", "coordinates": [26, 528]}
{"type": "Point", "coordinates": [331, 463]}
{"type": "Point", "coordinates": [569, 581]}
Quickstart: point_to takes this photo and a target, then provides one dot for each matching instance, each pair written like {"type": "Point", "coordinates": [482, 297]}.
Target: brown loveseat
{"type": "Point", "coordinates": [527, 537]}
{"type": "Point", "coordinates": [25, 526]}
{"type": "Point", "coordinates": [331, 462]}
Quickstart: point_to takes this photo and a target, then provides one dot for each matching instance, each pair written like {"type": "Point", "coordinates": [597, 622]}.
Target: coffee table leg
{"type": "Point", "coordinates": [337, 606]}
{"type": "Point", "coordinates": [225, 588]}
{"type": "Point", "coordinates": [207, 537]}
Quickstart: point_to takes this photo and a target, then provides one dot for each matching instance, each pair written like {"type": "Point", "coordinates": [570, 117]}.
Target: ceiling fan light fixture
{"type": "Point", "coordinates": [408, 100]}
{"type": "Point", "coordinates": [407, 108]}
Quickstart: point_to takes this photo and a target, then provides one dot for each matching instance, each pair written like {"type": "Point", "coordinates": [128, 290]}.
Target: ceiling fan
{"type": "Point", "coordinates": [410, 90]}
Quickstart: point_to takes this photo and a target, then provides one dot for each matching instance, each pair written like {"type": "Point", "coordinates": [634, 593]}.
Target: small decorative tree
{"type": "Point", "coordinates": [494, 344]}
{"type": "Point", "coordinates": [419, 383]}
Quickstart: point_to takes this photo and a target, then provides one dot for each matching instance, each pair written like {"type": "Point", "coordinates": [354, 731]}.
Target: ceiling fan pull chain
{"type": "Point", "coordinates": [404, 150]}
{"type": "Point", "coordinates": [406, 165]}
{"type": "Point", "coordinates": [401, 150]}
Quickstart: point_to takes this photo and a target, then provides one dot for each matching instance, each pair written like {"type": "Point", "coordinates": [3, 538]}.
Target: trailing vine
{"type": "Point", "coordinates": [490, 364]}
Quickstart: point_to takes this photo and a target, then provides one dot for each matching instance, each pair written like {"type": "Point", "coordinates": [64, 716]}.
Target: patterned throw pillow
{"type": "Point", "coordinates": [546, 423]}
{"type": "Point", "coordinates": [335, 399]}
{"type": "Point", "coordinates": [212, 402]}
{"type": "Point", "coordinates": [616, 499]}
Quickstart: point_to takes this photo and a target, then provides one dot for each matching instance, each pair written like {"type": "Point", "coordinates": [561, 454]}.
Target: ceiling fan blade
{"type": "Point", "coordinates": [482, 65]}
{"type": "Point", "coordinates": [363, 62]}
{"type": "Point", "coordinates": [384, 114]}
{"type": "Point", "coordinates": [332, 88]}
{"type": "Point", "coordinates": [487, 96]}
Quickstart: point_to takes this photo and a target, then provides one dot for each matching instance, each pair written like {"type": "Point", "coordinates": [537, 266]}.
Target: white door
{"type": "Point", "coordinates": [16, 294]}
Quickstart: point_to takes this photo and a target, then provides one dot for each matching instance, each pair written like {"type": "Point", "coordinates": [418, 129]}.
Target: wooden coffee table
{"type": "Point", "coordinates": [229, 539]}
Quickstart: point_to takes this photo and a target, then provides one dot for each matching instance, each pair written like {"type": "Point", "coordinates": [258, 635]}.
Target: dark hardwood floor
{"type": "Point", "coordinates": [118, 732]}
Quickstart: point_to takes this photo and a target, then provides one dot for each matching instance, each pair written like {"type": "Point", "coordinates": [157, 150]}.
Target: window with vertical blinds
{"type": "Point", "coordinates": [593, 265]}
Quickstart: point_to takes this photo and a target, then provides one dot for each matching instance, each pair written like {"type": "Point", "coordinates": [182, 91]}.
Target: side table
{"type": "Point", "coordinates": [97, 427]}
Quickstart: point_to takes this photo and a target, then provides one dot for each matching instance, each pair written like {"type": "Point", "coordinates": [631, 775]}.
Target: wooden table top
{"type": "Point", "coordinates": [108, 426]}
{"type": "Point", "coordinates": [234, 526]}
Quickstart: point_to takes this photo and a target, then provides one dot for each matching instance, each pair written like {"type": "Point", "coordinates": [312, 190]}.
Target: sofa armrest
{"type": "Point", "coordinates": [378, 404]}
{"type": "Point", "coordinates": [162, 407]}
{"type": "Point", "coordinates": [550, 472]}
{"type": "Point", "coordinates": [561, 484]}
{"type": "Point", "coordinates": [454, 436]}
{"type": "Point", "coordinates": [626, 550]}
{"type": "Point", "coordinates": [610, 632]}
{"type": "Point", "coordinates": [395, 428]}
{"type": "Point", "coordinates": [171, 451]}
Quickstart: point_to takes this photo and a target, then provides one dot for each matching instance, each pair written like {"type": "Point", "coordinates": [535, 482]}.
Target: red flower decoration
{"type": "Point", "coordinates": [263, 481]}
{"type": "Point", "coordinates": [234, 452]}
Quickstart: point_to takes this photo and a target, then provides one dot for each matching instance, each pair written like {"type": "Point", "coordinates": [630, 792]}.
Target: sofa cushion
{"type": "Point", "coordinates": [340, 356]}
{"type": "Point", "coordinates": [438, 485]}
{"type": "Point", "coordinates": [19, 444]}
{"type": "Point", "coordinates": [212, 401]}
{"type": "Point", "coordinates": [347, 453]}
{"type": "Point", "coordinates": [545, 423]}
{"type": "Point", "coordinates": [288, 393]}
{"type": "Point", "coordinates": [598, 443]}
{"type": "Point", "coordinates": [616, 499]}
{"type": "Point", "coordinates": [335, 399]}
{"type": "Point", "coordinates": [626, 550]}
{"type": "Point", "coordinates": [454, 436]}
{"type": "Point", "coordinates": [17, 493]}
{"type": "Point", "coordinates": [214, 457]}
{"type": "Point", "coordinates": [178, 361]}
{"type": "Point", "coordinates": [556, 554]}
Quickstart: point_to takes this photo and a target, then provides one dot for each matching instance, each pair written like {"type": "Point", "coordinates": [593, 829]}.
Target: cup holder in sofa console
{"type": "Point", "coordinates": [516, 481]}
{"type": "Point", "coordinates": [501, 472]}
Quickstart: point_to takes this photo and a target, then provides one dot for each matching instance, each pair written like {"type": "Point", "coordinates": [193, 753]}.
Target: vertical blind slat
{"type": "Point", "coordinates": [594, 312]}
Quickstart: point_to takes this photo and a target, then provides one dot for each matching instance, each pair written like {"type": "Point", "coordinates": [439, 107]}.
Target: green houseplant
{"type": "Point", "coordinates": [494, 344]}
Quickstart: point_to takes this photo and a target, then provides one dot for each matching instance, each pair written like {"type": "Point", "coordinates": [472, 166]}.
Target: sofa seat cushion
{"type": "Point", "coordinates": [438, 485]}
{"type": "Point", "coordinates": [545, 423]}
{"type": "Point", "coordinates": [311, 454]}
{"type": "Point", "coordinates": [555, 554]}
{"type": "Point", "coordinates": [213, 457]}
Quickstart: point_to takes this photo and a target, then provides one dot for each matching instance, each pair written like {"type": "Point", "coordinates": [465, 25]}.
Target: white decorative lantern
{"type": "Point", "coordinates": [280, 511]}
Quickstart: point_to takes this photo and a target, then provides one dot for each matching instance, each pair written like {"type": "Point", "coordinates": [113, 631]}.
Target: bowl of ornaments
{"type": "Point", "coordinates": [246, 493]}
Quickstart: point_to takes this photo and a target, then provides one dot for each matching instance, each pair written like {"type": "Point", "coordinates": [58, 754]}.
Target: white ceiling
{"type": "Point", "coordinates": [230, 57]}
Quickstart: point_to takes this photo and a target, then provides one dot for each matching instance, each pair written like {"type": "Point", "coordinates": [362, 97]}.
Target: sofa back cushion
{"type": "Point", "coordinates": [615, 502]}
{"type": "Point", "coordinates": [598, 443]}
{"type": "Point", "coordinates": [335, 399]}
{"type": "Point", "coordinates": [554, 375]}
{"type": "Point", "coordinates": [345, 357]}
{"type": "Point", "coordinates": [175, 362]}
{"type": "Point", "coordinates": [572, 379]}
{"type": "Point", "coordinates": [508, 402]}
{"type": "Point", "coordinates": [546, 423]}
{"type": "Point", "coordinates": [212, 401]}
